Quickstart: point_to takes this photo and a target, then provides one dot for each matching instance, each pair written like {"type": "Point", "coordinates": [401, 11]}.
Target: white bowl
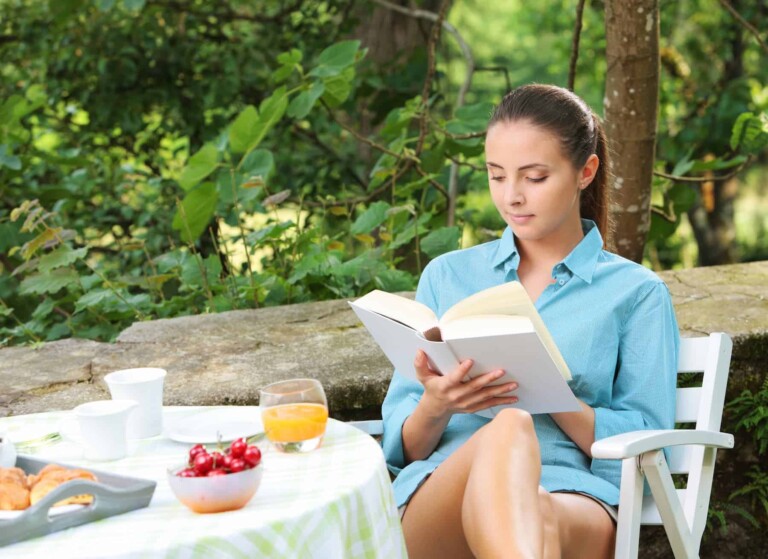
{"type": "Point", "coordinates": [216, 493]}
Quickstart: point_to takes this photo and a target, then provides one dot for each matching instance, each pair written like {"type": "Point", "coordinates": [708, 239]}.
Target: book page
{"type": "Point", "coordinates": [485, 325]}
{"type": "Point", "coordinates": [406, 311]}
{"type": "Point", "coordinates": [400, 343]}
{"type": "Point", "coordinates": [510, 299]}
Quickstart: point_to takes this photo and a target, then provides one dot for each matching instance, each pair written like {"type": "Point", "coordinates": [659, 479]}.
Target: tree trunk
{"type": "Point", "coordinates": [631, 104]}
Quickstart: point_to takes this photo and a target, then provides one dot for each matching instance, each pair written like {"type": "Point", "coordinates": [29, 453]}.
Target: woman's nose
{"type": "Point", "coordinates": [513, 194]}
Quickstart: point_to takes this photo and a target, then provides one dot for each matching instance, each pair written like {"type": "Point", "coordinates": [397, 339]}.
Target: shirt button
{"type": "Point", "coordinates": [561, 282]}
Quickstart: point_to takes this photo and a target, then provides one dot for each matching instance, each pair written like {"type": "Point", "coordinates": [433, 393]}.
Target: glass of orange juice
{"type": "Point", "coordinates": [294, 413]}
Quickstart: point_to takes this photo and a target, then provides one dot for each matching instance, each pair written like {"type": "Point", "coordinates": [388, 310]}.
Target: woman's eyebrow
{"type": "Point", "coordinates": [491, 164]}
{"type": "Point", "coordinates": [531, 165]}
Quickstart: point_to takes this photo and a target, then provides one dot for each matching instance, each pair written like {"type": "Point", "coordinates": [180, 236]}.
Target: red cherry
{"type": "Point", "coordinates": [218, 459]}
{"type": "Point", "coordinates": [238, 465]}
{"type": "Point", "coordinates": [216, 472]}
{"type": "Point", "coordinates": [187, 472]}
{"type": "Point", "coordinates": [226, 462]}
{"type": "Point", "coordinates": [237, 448]}
{"type": "Point", "coordinates": [252, 456]}
{"type": "Point", "coordinates": [194, 451]}
{"type": "Point", "coordinates": [203, 464]}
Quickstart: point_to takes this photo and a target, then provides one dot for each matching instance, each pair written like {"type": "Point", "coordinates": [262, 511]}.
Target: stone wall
{"type": "Point", "coordinates": [224, 358]}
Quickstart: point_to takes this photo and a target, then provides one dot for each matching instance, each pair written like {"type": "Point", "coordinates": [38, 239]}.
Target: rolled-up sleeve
{"type": "Point", "coordinates": [643, 395]}
{"type": "Point", "coordinates": [404, 394]}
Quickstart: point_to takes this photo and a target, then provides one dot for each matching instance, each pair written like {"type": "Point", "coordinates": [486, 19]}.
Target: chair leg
{"type": "Point", "coordinates": [676, 525]}
{"type": "Point", "coordinates": [630, 508]}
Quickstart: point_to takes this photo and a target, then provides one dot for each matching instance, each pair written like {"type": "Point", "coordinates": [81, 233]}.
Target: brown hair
{"type": "Point", "coordinates": [568, 117]}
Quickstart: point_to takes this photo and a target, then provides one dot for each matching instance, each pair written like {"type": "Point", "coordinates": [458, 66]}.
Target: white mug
{"type": "Point", "coordinates": [103, 428]}
{"type": "Point", "coordinates": [145, 386]}
{"type": "Point", "coordinates": [7, 452]}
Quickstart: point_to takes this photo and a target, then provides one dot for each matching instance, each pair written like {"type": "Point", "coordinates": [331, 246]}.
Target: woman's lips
{"type": "Point", "coordinates": [521, 219]}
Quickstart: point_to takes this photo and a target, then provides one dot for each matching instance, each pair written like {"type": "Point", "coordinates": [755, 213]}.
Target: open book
{"type": "Point", "coordinates": [498, 328]}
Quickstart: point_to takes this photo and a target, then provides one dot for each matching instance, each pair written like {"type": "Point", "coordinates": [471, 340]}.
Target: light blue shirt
{"type": "Point", "coordinates": [614, 324]}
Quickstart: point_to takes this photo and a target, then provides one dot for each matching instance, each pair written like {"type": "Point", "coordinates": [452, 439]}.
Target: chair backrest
{"type": "Point", "coordinates": [703, 406]}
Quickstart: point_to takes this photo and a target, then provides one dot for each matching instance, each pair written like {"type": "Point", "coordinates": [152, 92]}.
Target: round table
{"type": "Point", "coordinates": [334, 502]}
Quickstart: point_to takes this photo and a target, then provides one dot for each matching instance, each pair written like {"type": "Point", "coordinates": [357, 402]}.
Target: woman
{"type": "Point", "coordinates": [522, 486]}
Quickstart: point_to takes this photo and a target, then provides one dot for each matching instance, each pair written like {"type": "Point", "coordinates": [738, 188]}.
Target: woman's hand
{"type": "Point", "coordinates": [445, 395]}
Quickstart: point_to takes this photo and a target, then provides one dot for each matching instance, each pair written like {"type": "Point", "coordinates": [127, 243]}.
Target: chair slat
{"type": "Point", "coordinates": [693, 355]}
{"type": "Point", "coordinates": [687, 407]}
{"type": "Point", "coordinates": [650, 514]}
{"type": "Point", "coordinates": [679, 459]}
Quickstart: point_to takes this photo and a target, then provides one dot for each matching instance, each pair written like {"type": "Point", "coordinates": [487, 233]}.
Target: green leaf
{"type": "Point", "coordinates": [683, 196]}
{"type": "Point", "coordinates": [48, 283]}
{"type": "Point", "coordinates": [337, 89]}
{"type": "Point", "coordinates": [196, 211]}
{"type": "Point", "coordinates": [290, 57]}
{"type": "Point", "coordinates": [62, 256]}
{"type": "Point", "coordinates": [191, 274]}
{"type": "Point", "coordinates": [304, 101]}
{"type": "Point", "coordinates": [274, 231]}
{"type": "Point", "coordinates": [199, 166]}
{"type": "Point", "coordinates": [717, 164]}
{"type": "Point", "coordinates": [242, 131]}
{"type": "Point", "coordinates": [408, 231]}
{"type": "Point", "coordinates": [371, 218]}
{"type": "Point", "coordinates": [476, 115]}
{"type": "Point", "coordinates": [134, 5]}
{"type": "Point", "coordinates": [106, 5]}
{"type": "Point", "coordinates": [750, 133]}
{"type": "Point", "coordinates": [395, 280]}
{"type": "Point", "coordinates": [440, 241]}
{"type": "Point", "coordinates": [93, 298]}
{"type": "Point", "coordinates": [271, 111]}
{"type": "Point", "coordinates": [258, 163]}
{"type": "Point", "coordinates": [333, 60]}
{"type": "Point", "coordinates": [661, 228]}
{"type": "Point", "coordinates": [7, 159]}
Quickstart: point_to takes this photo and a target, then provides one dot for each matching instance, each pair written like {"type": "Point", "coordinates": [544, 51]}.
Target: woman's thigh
{"type": "Point", "coordinates": [586, 529]}
{"type": "Point", "coordinates": [432, 522]}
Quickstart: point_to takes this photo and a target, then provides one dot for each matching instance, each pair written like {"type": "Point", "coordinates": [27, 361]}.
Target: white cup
{"type": "Point", "coordinates": [103, 428]}
{"type": "Point", "coordinates": [145, 386]}
{"type": "Point", "coordinates": [7, 452]}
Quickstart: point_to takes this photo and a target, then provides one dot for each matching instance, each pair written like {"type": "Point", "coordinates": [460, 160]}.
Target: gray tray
{"type": "Point", "coordinates": [112, 495]}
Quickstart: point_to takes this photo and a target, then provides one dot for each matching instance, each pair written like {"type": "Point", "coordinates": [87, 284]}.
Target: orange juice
{"type": "Point", "coordinates": [290, 423]}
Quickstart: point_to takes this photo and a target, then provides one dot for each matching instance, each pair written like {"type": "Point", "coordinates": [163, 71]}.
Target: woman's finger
{"type": "Point", "coordinates": [458, 374]}
{"type": "Point", "coordinates": [421, 364]}
{"type": "Point", "coordinates": [490, 392]}
{"type": "Point", "coordinates": [491, 402]}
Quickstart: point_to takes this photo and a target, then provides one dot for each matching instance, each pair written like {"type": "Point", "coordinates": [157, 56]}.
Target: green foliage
{"type": "Point", "coordinates": [751, 409]}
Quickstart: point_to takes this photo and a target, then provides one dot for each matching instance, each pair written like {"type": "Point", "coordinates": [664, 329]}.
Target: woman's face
{"type": "Point", "coordinates": [533, 185]}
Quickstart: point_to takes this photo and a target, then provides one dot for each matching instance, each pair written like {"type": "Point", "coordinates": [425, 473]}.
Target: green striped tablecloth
{"type": "Point", "coordinates": [334, 502]}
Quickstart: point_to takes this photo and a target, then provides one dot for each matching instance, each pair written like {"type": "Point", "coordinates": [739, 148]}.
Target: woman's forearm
{"type": "Point", "coordinates": [579, 426]}
{"type": "Point", "coordinates": [422, 431]}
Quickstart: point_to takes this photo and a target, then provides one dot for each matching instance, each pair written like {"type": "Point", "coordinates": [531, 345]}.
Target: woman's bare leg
{"type": "Point", "coordinates": [484, 500]}
{"type": "Point", "coordinates": [586, 529]}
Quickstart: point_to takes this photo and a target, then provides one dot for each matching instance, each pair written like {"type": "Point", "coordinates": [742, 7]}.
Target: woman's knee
{"type": "Point", "coordinates": [511, 421]}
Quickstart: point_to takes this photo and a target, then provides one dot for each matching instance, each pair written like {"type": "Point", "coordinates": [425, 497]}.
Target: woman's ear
{"type": "Point", "coordinates": [589, 171]}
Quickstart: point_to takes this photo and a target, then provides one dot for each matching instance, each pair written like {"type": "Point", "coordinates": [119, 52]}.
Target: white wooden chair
{"type": "Point", "coordinates": [683, 512]}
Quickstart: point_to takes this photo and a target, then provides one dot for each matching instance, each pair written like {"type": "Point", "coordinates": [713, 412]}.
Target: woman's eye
{"type": "Point", "coordinates": [537, 179]}
{"type": "Point", "coordinates": [497, 179]}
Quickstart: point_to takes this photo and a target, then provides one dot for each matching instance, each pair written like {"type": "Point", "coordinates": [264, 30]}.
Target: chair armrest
{"type": "Point", "coordinates": [635, 443]}
{"type": "Point", "coordinates": [372, 427]}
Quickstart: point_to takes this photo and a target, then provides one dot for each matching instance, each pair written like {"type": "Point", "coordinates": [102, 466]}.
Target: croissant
{"type": "Point", "coordinates": [50, 477]}
{"type": "Point", "coordinates": [14, 490]}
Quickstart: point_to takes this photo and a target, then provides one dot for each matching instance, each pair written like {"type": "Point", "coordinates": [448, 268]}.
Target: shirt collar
{"type": "Point", "coordinates": [581, 261]}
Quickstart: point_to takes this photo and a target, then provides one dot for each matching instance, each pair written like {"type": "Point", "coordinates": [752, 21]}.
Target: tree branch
{"type": "Point", "coordinates": [748, 26]}
{"type": "Point", "coordinates": [718, 178]}
{"type": "Point", "coordinates": [575, 45]}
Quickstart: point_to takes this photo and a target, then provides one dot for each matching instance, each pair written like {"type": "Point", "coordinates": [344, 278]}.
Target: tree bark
{"type": "Point", "coordinates": [631, 105]}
